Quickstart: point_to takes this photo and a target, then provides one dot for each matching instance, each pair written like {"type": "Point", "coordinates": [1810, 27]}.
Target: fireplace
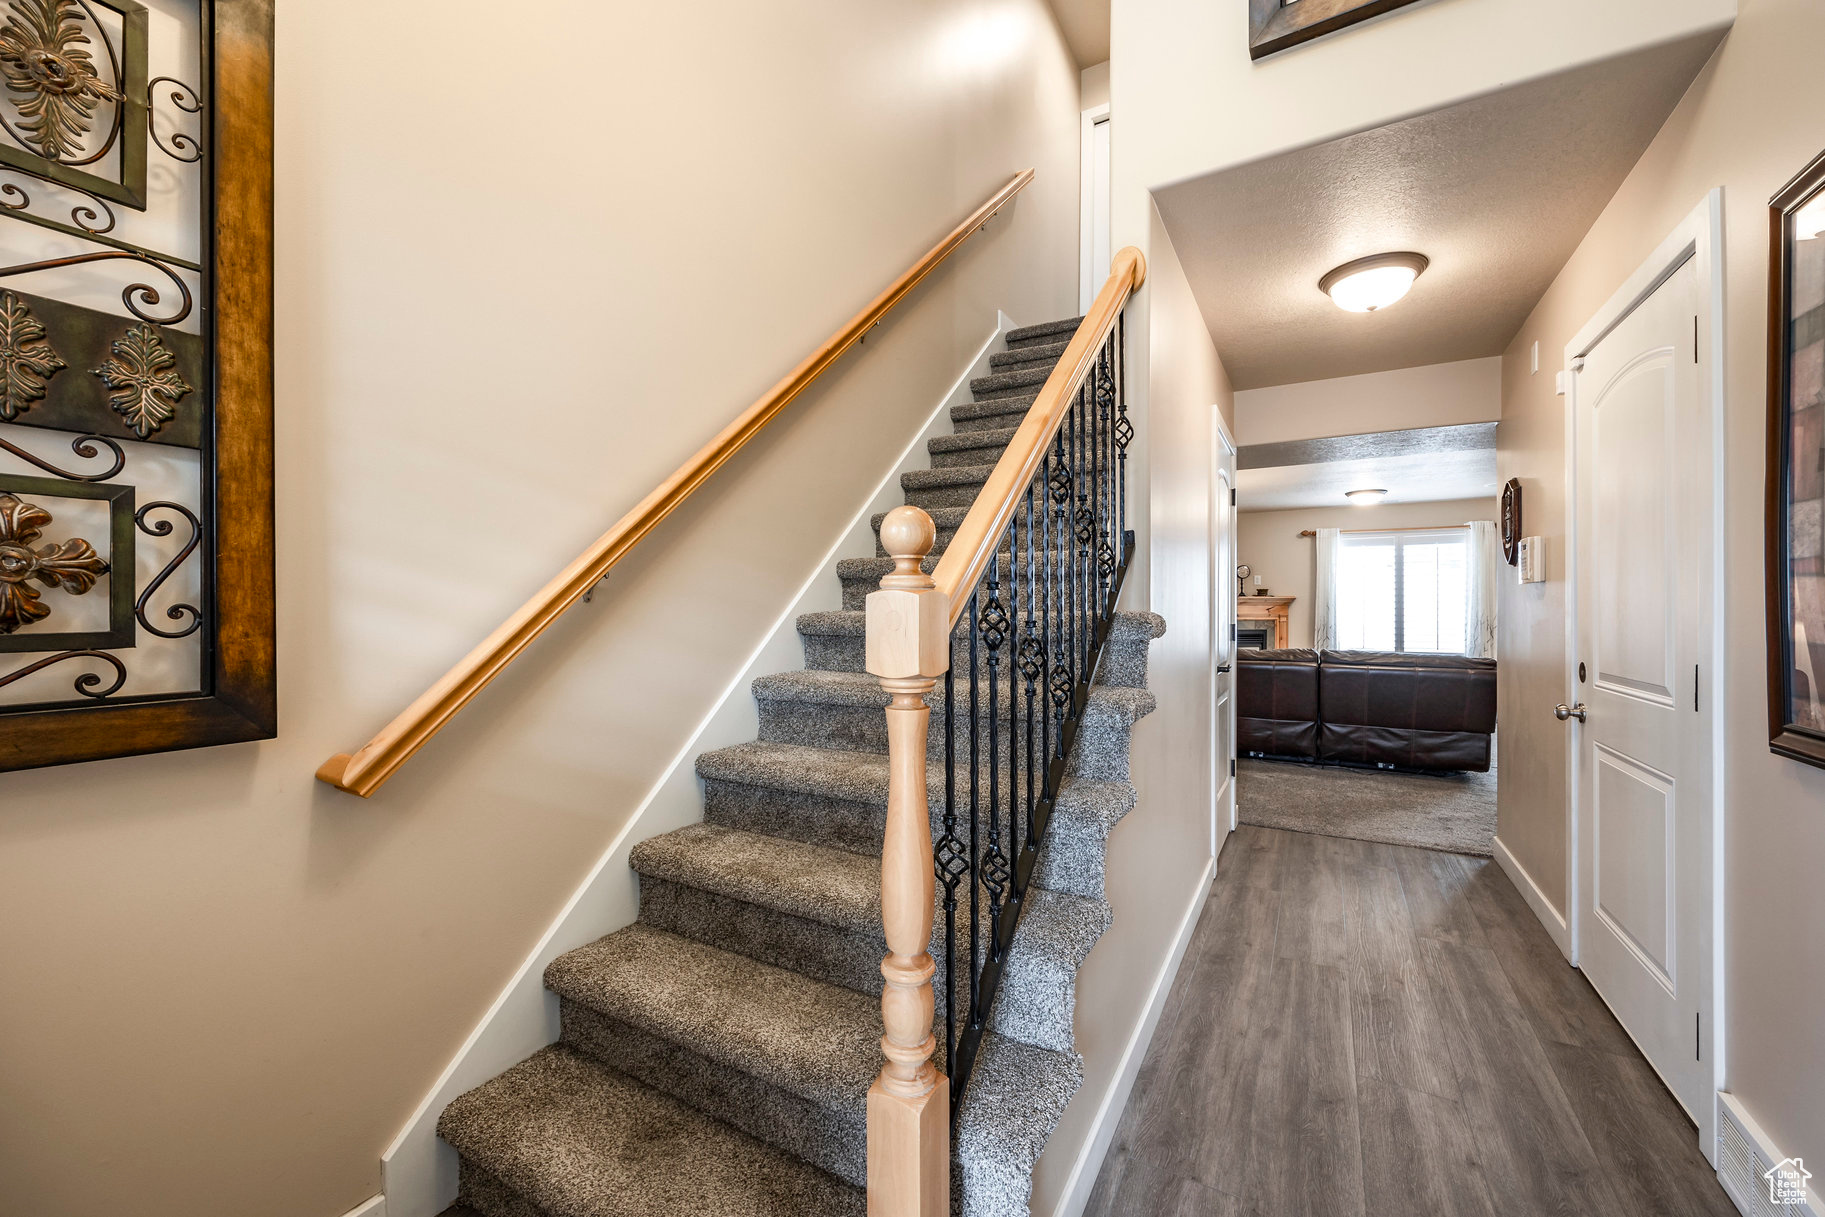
{"type": "Point", "coordinates": [1252, 635]}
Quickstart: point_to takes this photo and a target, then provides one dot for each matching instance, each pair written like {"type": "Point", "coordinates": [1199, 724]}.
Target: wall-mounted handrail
{"type": "Point", "coordinates": [364, 771]}
{"type": "Point", "coordinates": [971, 550]}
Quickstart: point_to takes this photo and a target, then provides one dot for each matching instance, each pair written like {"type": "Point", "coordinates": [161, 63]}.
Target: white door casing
{"type": "Point", "coordinates": [1645, 570]}
{"type": "Point", "coordinates": [1222, 632]}
{"type": "Point", "coordinates": [1097, 246]}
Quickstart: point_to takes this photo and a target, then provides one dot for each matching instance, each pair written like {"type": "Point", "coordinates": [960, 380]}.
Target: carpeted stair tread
{"type": "Point", "coordinates": [1012, 383]}
{"type": "Point", "coordinates": [828, 886]}
{"type": "Point", "coordinates": [954, 475]}
{"type": "Point", "coordinates": [1030, 335]}
{"type": "Point", "coordinates": [857, 776]}
{"type": "Point", "coordinates": [862, 689]}
{"type": "Point", "coordinates": [1013, 357]}
{"type": "Point", "coordinates": [809, 1038]}
{"type": "Point", "coordinates": [1015, 1097]}
{"type": "Point", "coordinates": [996, 414]}
{"type": "Point", "coordinates": [574, 1139]}
{"type": "Point", "coordinates": [460, 1210]}
{"type": "Point", "coordinates": [963, 448]}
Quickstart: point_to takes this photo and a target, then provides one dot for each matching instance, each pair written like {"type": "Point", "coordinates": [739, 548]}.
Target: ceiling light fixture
{"type": "Point", "coordinates": [1365, 498]}
{"type": "Point", "coordinates": [1369, 284]}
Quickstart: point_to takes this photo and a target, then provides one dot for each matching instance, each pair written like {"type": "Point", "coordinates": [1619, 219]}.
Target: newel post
{"type": "Point", "coordinates": [909, 1104]}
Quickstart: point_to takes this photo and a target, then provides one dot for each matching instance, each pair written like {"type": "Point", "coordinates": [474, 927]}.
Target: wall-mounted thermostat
{"type": "Point", "coordinates": [1532, 559]}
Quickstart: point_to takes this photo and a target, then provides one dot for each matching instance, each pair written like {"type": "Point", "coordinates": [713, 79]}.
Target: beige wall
{"type": "Point", "coordinates": [1269, 541]}
{"type": "Point", "coordinates": [500, 322]}
{"type": "Point", "coordinates": [1750, 121]}
{"type": "Point", "coordinates": [1433, 395]}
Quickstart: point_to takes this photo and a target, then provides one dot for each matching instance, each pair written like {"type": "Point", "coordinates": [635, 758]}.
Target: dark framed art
{"type": "Point", "coordinates": [1275, 25]}
{"type": "Point", "coordinates": [1511, 522]}
{"type": "Point", "coordinates": [1796, 467]}
{"type": "Point", "coordinates": [136, 462]}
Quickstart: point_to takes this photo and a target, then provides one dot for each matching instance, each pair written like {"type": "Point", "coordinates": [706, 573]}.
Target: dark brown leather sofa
{"type": "Point", "coordinates": [1369, 708]}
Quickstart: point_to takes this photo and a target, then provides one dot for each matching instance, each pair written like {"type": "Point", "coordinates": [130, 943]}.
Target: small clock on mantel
{"type": "Point", "coordinates": [1511, 521]}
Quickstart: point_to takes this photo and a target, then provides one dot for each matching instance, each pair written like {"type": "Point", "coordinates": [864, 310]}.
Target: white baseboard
{"type": "Point", "coordinates": [1082, 1180]}
{"type": "Point", "coordinates": [1550, 917]}
{"type": "Point", "coordinates": [1741, 1168]}
{"type": "Point", "coordinates": [375, 1207]}
{"type": "Point", "coordinates": [418, 1171]}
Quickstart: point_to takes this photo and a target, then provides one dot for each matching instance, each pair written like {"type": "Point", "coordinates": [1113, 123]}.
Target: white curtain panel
{"type": "Point", "coordinates": [1324, 589]}
{"type": "Point", "coordinates": [1485, 565]}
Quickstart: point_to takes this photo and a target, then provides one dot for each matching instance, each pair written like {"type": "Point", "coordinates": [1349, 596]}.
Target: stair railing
{"type": "Point", "coordinates": [1029, 583]}
{"type": "Point", "coordinates": [364, 771]}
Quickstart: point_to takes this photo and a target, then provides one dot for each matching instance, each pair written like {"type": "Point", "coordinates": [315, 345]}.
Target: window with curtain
{"type": "Point", "coordinates": [1404, 591]}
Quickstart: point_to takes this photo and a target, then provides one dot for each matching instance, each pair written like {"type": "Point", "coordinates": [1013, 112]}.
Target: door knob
{"type": "Point", "coordinates": [1563, 712]}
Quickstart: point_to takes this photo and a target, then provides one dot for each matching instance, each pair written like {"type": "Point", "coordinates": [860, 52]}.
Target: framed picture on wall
{"type": "Point", "coordinates": [1796, 468]}
{"type": "Point", "coordinates": [1275, 25]}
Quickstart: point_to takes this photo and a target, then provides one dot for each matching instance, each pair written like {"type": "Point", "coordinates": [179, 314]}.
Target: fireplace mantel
{"type": "Point", "coordinates": [1272, 609]}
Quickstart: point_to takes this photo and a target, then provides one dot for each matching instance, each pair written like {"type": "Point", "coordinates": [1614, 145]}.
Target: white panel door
{"type": "Point", "coordinates": [1644, 755]}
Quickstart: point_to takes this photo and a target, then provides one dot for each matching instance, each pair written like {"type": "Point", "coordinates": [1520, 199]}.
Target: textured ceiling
{"type": "Point", "coordinates": [1497, 192]}
{"type": "Point", "coordinates": [1086, 27]}
{"type": "Point", "coordinates": [1430, 465]}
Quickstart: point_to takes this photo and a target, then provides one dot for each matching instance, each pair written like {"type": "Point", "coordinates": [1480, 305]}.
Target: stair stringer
{"type": "Point", "coordinates": [419, 1171]}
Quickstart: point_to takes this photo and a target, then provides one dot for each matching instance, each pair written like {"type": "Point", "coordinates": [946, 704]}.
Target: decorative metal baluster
{"type": "Point", "coordinates": [1125, 431]}
{"type": "Point", "coordinates": [1032, 663]}
{"type": "Point", "coordinates": [975, 823]}
{"type": "Point", "coordinates": [1014, 634]}
{"type": "Point", "coordinates": [1060, 551]}
{"type": "Point", "coordinates": [1086, 523]}
{"type": "Point", "coordinates": [993, 627]}
{"type": "Point", "coordinates": [951, 867]}
{"type": "Point", "coordinates": [1047, 610]}
{"type": "Point", "coordinates": [1105, 477]}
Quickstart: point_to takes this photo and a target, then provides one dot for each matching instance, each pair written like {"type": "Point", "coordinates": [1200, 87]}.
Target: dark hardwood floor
{"type": "Point", "coordinates": [1380, 1031]}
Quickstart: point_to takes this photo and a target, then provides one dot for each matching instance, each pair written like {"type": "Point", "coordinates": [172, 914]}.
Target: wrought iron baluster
{"type": "Point", "coordinates": [1085, 525]}
{"type": "Point", "coordinates": [993, 627]}
{"type": "Point", "coordinates": [952, 867]}
{"type": "Point", "coordinates": [1060, 552]}
{"type": "Point", "coordinates": [1032, 663]}
{"type": "Point", "coordinates": [975, 824]}
{"type": "Point", "coordinates": [1125, 431]}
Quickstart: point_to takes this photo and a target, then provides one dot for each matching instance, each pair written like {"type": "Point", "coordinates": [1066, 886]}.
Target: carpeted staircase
{"type": "Point", "coordinates": [716, 1055]}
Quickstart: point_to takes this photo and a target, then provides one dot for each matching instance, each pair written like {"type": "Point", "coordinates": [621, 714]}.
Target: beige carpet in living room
{"type": "Point", "coordinates": [1453, 812]}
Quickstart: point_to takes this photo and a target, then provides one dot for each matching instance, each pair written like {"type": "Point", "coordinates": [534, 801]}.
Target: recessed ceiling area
{"type": "Point", "coordinates": [1496, 192]}
{"type": "Point", "coordinates": [1425, 465]}
{"type": "Point", "coordinates": [1086, 28]}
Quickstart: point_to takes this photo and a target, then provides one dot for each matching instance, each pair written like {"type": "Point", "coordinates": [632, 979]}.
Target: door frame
{"type": "Point", "coordinates": [1090, 278]}
{"type": "Point", "coordinates": [1700, 238]}
{"type": "Point", "coordinates": [1222, 445]}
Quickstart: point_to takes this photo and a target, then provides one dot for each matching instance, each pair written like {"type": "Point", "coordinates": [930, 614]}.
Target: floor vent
{"type": "Point", "coordinates": [1744, 1157]}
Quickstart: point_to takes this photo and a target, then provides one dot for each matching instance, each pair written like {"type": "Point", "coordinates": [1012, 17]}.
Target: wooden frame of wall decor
{"type": "Point", "coordinates": [1275, 25]}
{"type": "Point", "coordinates": [238, 699]}
{"type": "Point", "coordinates": [1796, 354]}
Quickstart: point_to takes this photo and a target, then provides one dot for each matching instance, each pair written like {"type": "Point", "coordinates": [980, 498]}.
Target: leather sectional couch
{"type": "Point", "coordinates": [1368, 708]}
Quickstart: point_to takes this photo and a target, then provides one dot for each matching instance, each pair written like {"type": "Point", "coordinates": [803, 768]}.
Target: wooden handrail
{"type": "Point", "coordinates": [973, 548]}
{"type": "Point", "coordinates": [363, 772]}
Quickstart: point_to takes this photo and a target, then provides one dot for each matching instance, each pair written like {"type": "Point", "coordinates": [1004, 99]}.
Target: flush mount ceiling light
{"type": "Point", "coordinates": [1365, 498]}
{"type": "Point", "coordinates": [1373, 283]}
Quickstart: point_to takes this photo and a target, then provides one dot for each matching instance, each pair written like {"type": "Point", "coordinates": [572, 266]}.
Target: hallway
{"type": "Point", "coordinates": [1373, 1029]}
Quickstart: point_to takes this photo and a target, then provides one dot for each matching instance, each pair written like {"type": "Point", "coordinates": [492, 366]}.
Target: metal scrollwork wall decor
{"type": "Point", "coordinates": [136, 509]}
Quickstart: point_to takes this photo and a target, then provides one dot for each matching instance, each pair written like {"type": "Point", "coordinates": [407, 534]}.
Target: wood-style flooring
{"type": "Point", "coordinates": [1367, 1030]}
